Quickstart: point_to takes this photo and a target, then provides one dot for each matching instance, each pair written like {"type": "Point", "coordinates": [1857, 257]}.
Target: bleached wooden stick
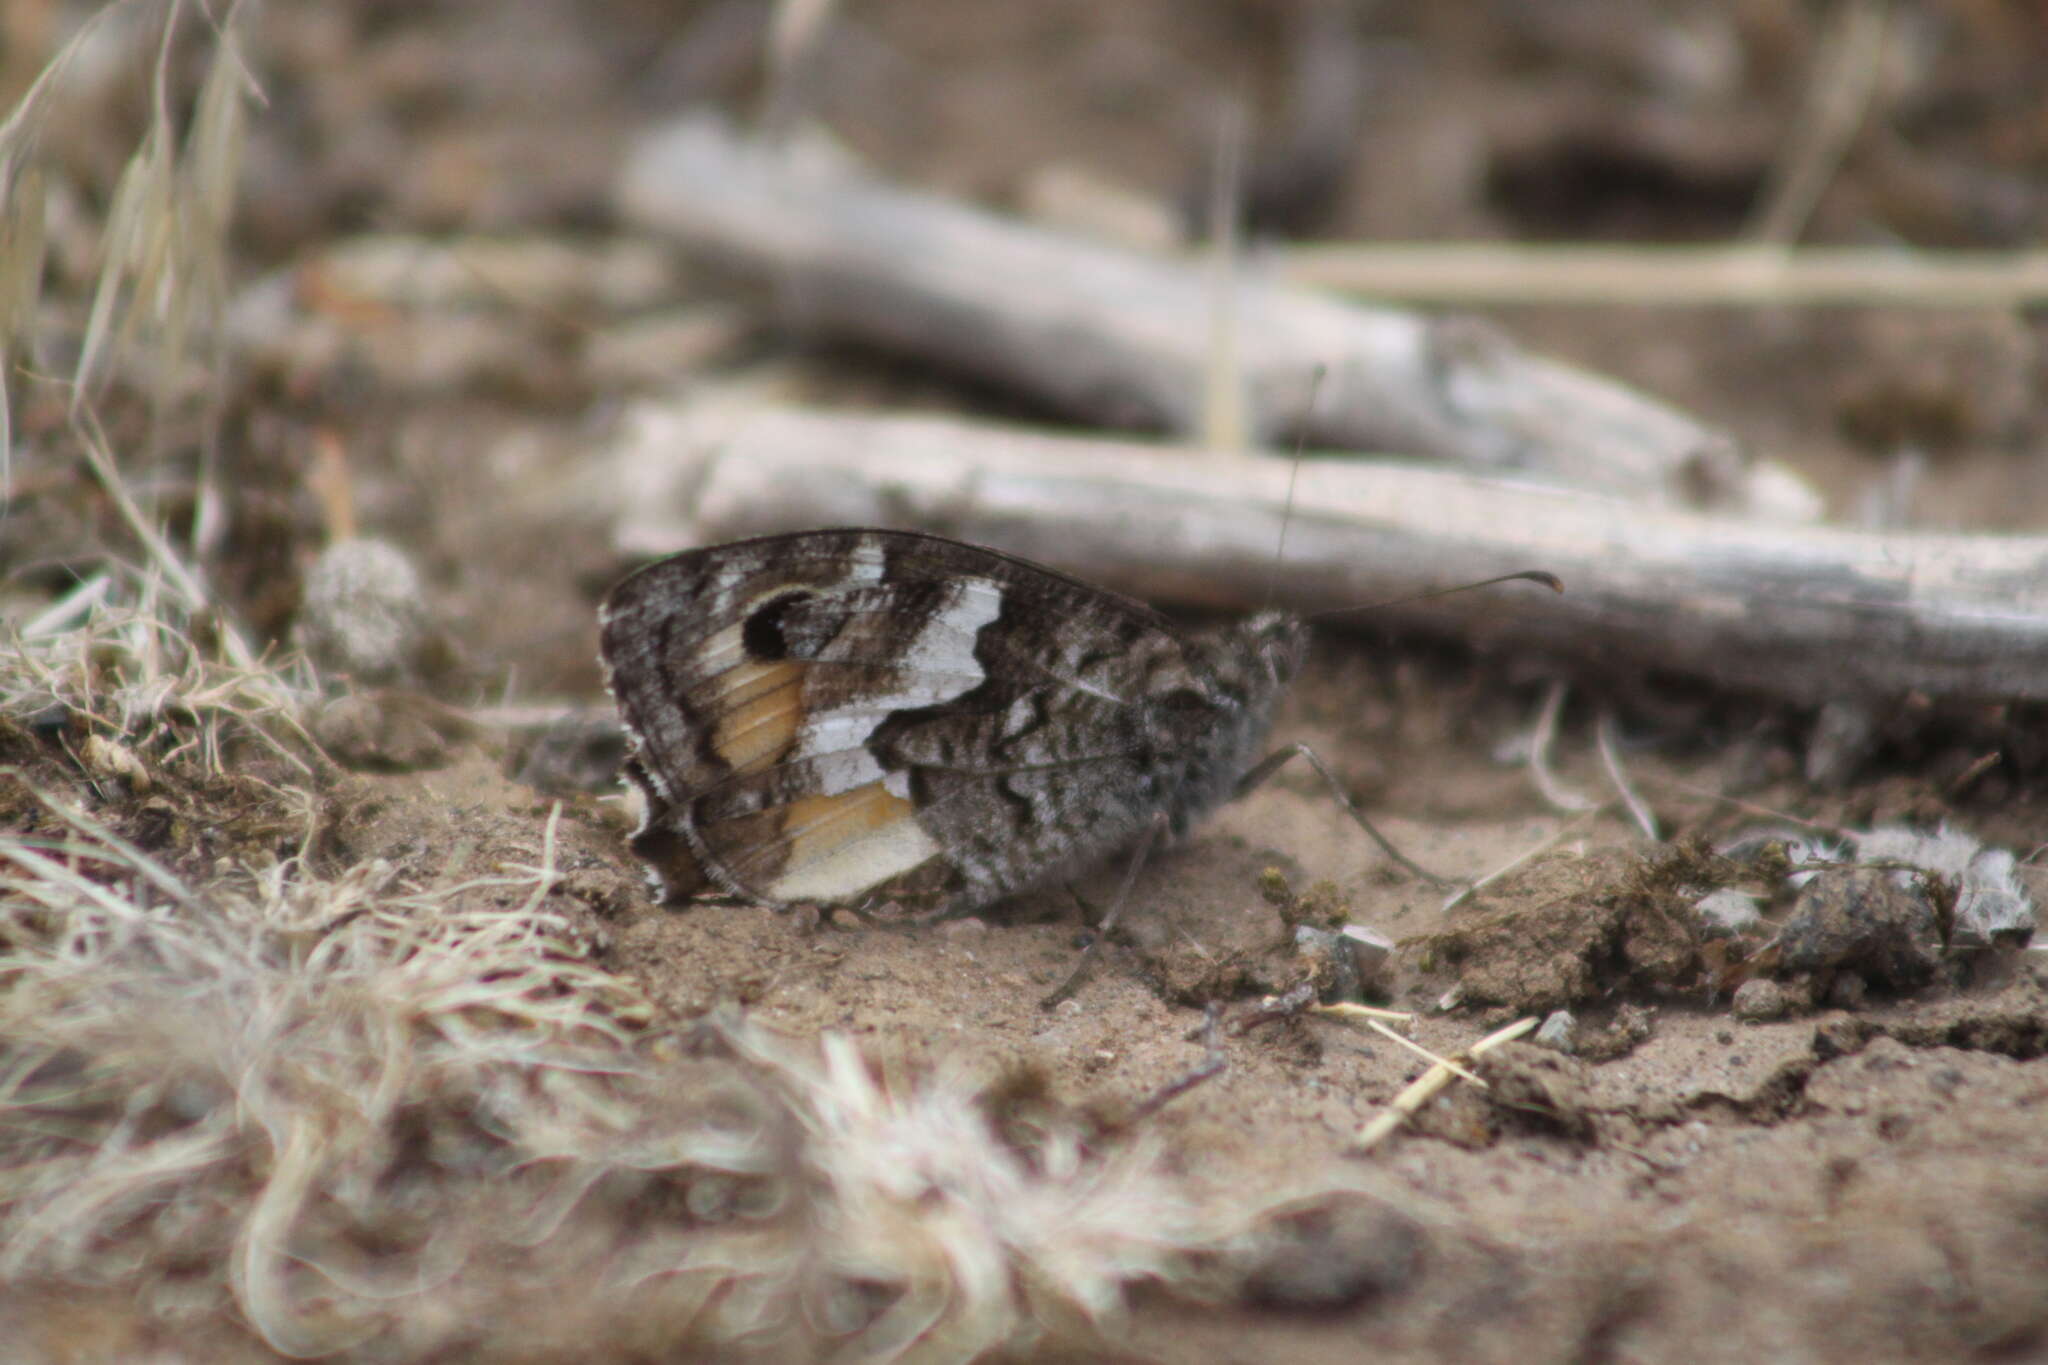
{"type": "Point", "coordinates": [1119, 338]}
{"type": "Point", "coordinates": [1804, 613]}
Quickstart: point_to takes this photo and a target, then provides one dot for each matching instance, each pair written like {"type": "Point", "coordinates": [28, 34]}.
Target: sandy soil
{"type": "Point", "coordinates": [1861, 1180]}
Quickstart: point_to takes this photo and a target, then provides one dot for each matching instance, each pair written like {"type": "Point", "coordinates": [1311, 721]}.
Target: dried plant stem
{"type": "Point", "coordinates": [1845, 75]}
{"type": "Point", "coordinates": [1425, 1087]}
{"type": "Point", "coordinates": [1478, 273]}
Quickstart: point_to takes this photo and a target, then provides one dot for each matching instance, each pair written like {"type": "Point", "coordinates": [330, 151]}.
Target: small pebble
{"type": "Point", "coordinates": [1331, 958]}
{"type": "Point", "coordinates": [1557, 1032]}
{"type": "Point", "coordinates": [1370, 949]}
{"type": "Point", "coordinates": [1847, 991]}
{"type": "Point", "coordinates": [1758, 1001]}
{"type": "Point", "coordinates": [1865, 921]}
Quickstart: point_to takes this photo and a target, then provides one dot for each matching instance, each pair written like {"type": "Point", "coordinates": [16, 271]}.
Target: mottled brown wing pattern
{"type": "Point", "coordinates": [843, 716]}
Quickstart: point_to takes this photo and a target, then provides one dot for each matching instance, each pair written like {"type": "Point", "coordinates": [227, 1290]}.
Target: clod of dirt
{"type": "Point", "coordinates": [1758, 1001]}
{"type": "Point", "coordinates": [1328, 1254]}
{"type": "Point", "coordinates": [1639, 934]}
{"type": "Point", "coordinates": [1867, 921]}
{"type": "Point", "coordinates": [1628, 1030]}
{"type": "Point", "coordinates": [387, 731]}
{"type": "Point", "coordinates": [1533, 1087]}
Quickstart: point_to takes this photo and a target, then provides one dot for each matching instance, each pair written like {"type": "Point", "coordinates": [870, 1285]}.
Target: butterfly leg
{"type": "Point", "coordinates": [1142, 849]}
{"type": "Point", "coordinates": [1273, 762]}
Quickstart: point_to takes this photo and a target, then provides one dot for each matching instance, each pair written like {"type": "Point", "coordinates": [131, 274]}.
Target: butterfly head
{"type": "Point", "coordinates": [1241, 669]}
{"type": "Point", "coordinates": [1279, 641]}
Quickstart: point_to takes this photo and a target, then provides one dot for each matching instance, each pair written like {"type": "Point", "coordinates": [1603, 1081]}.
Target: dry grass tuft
{"type": "Point", "coordinates": [420, 1121]}
{"type": "Point", "coordinates": [127, 658]}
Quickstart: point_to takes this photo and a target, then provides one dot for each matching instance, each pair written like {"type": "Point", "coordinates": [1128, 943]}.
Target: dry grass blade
{"type": "Point", "coordinates": [159, 1038]}
{"type": "Point", "coordinates": [22, 207]}
{"type": "Point", "coordinates": [164, 264]}
{"type": "Point", "coordinates": [1553, 789]}
{"type": "Point", "coordinates": [796, 28]}
{"type": "Point", "coordinates": [1610, 759]}
{"type": "Point", "coordinates": [1844, 79]}
{"type": "Point", "coordinates": [1225, 425]}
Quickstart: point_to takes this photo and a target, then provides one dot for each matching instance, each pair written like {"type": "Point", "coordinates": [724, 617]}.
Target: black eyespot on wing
{"type": "Point", "coordinates": [762, 632]}
{"type": "Point", "coordinates": [1186, 701]}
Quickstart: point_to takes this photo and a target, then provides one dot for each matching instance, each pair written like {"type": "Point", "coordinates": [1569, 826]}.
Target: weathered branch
{"type": "Point", "coordinates": [1120, 339]}
{"type": "Point", "coordinates": [1800, 612]}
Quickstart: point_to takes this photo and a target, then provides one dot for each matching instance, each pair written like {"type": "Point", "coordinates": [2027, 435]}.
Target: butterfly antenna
{"type": "Point", "coordinates": [1547, 579]}
{"type": "Point", "coordinates": [1315, 387]}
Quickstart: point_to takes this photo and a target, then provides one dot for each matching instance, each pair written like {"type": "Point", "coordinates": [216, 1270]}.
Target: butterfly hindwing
{"type": "Point", "coordinates": [839, 716]}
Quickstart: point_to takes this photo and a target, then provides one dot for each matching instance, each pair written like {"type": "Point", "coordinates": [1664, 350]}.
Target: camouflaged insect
{"type": "Point", "coordinates": [849, 717]}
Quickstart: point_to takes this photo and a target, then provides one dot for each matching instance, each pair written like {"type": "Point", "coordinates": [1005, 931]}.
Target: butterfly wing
{"type": "Point", "coordinates": [839, 716]}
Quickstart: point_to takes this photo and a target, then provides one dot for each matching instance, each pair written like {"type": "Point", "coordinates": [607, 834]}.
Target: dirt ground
{"type": "Point", "coordinates": [1861, 1178]}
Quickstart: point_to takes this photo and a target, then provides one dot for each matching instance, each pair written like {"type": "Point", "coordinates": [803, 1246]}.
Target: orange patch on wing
{"type": "Point", "coordinates": [761, 706]}
{"type": "Point", "coordinates": [840, 846]}
{"type": "Point", "coordinates": [829, 820]}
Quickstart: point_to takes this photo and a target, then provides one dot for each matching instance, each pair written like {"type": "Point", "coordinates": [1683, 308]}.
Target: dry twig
{"type": "Point", "coordinates": [1803, 613]}
{"type": "Point", "coordinates": [1121, 338]}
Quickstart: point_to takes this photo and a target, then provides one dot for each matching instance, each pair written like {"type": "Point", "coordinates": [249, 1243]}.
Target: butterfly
{"type": "Point", "coordinates": [851, 717]}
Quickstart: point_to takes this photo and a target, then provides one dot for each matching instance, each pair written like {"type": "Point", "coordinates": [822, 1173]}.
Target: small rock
{"type": "Point", "coordinates": [965, 929]}
{"type": "Point", "coordinates": [1371, 949]}
{"type": "Point", "coordinates": [1557, 1031]}
{"type": "Point", "coordinates": [1991, 905]}
{"type": "Point", "coordinates": [1758, 1001]}
{"type": "Point", "coordinates": [1847, 990]}
{"type": "Point", "coordinates": [1727, 913]}
{"type": "Point", "coordinates": [1331, 962]}
{"type": "Point", "coordinates": [1864, 920]}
